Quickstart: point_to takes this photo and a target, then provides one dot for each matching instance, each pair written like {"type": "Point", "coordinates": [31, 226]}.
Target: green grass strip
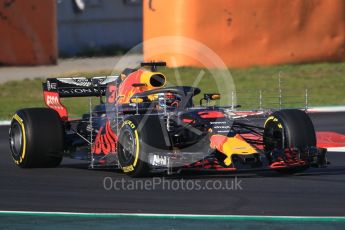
{"type": "Point", "coordinates": [325, 83]}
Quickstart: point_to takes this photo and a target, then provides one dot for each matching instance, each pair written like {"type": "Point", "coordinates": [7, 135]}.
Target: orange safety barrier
{"type": "Point", "coordinates": [248, 32]}
{"type": "Point", "coordinates": [28, 32]}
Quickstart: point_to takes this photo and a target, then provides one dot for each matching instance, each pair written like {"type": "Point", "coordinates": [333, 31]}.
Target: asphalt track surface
{"type": "Point", "coordinates": [73, 187]}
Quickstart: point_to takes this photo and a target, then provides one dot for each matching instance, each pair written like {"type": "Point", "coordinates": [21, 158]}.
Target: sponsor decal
{"type": "Point", "coordinates": [81, 91]}
{"type": "Point", "coordinates": [85, 82]}
{"type": "Point", "coordinates": [157, 160]}
{"type": "Point", "coordinates": [52, 100]}
{"type": "Point", "coordinates": [130, 123]}
{"type": "Point", "coordinates": [218, 122]}
{"type": "Point", "coordinates": [51, 86]}
{"type": "Point", "coordinates": [106, 141]}
{"type": "Point", "coordinates": [112, 95]}
{"type": "Point", "coordinates": [222, 126]}
{"type": "Point", "coordinates": [227, 127]}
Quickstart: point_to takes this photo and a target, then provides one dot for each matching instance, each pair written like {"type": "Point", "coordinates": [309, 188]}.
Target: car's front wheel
{"type": "Point", "coordinates": [290, 128]}
{"type": "Point", "coordinates": [131, 154]}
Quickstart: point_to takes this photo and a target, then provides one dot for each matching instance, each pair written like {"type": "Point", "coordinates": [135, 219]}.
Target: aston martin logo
{"type": "Point", "coordinates": [85, 82]}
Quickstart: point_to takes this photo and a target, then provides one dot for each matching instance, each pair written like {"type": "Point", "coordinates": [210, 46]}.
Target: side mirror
{"type": "Point", "coordinates": [209, 97]}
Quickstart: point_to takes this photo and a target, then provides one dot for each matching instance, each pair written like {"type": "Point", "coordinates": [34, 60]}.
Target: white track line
{"type": "Point", "coordinates": [336, 149]}
{"type": "Point", "coordinates": [4, 123]}
{"type": "Point", "coordinates": [327, 109]}
{"type": "Point", "coordinates": [180, 216]}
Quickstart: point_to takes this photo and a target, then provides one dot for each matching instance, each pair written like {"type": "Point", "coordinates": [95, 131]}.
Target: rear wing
{"type": "Point", "coordinates": [56, 88]}
{"type": "Point", "coordinates": [78, 86]}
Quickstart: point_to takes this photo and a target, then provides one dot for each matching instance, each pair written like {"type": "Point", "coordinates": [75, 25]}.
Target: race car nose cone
{"type": "Point", "coordinates": [231, 145]}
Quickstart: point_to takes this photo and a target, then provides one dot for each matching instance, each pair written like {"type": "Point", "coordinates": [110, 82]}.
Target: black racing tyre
{"type": "Point", "coordinates": [139, 136]}
{"type": "Point", "coordinates": [131, 155]}
{"type": "Point", "coordinates": [36, 138]}
{"type": "Point", "coordinates": [289, 128]}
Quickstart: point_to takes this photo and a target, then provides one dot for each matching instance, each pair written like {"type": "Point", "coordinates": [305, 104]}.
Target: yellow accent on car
{"type": "Point", "coordinates": [153, 79]}
{"type": "Point", "coordinates": [137, 148]}
{"type": "Point", "coordinates": [21, 123]}
{"type": "Point", "coordinates": [128, 168]}
{"type": "Point", "coordinates": [153, 97]}
{"type": "Point", "coordinates": [136, 100]}
{"type": "Point", "coordinates": [275, 120]}
{"type": "Point", "coordinates": [234, 145]}
{"type": "Point", "coordinates": [268, 119]}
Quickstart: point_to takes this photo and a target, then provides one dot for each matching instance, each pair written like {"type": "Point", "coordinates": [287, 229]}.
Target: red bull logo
{"type": "Point", "coordinates": [106, 141]}
{"type": "Point", "coordinates": [231, 145]}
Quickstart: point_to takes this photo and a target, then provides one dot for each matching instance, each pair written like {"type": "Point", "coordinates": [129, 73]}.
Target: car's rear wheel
{"type": "Point", "coordinates": [36, 138]}
{"type": "Point", "coordinates": [289, 129]}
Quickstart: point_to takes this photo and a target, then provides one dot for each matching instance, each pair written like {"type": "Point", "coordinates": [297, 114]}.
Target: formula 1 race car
{"type": "Point", "coordinates": [145, 126]}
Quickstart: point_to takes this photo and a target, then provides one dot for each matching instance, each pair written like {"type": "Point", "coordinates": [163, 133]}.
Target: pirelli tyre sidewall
{"type": "Point", "coordinates": [36, 138]}
{"type": "Point", "coordinates": [131, 154]}
{"type": "Point", "coordinates": [18, 139]}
